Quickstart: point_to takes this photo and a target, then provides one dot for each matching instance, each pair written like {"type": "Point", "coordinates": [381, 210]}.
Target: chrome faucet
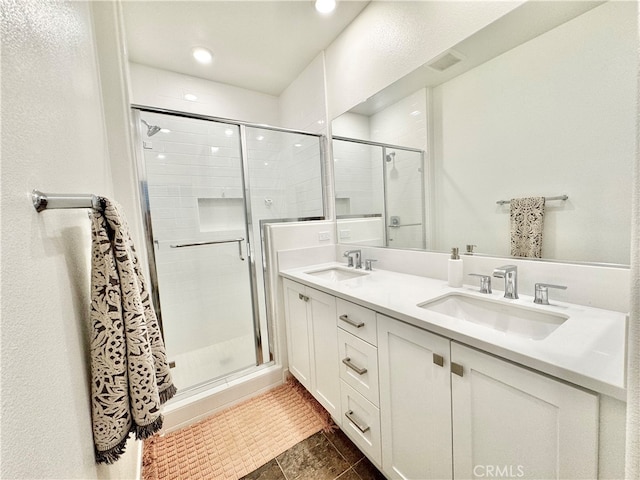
{"type": "Point", "coordinates": [510, 275]}
{"type": "Point", "coordinates": [358, 258]}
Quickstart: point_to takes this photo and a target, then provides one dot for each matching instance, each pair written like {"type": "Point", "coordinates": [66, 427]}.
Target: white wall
{"type": "Point", "coordinates": [388, 40]}
{"type": "Point", "coordinates": [303, 104]}
{"type": "Point", "coordinates": [552, 116]}
{"type": "Point", "coordinates": [53, 138]}
{"type": "Point", "coordinates": [403, 123]}
{"type": "Point", "coordinates": [163, 89]}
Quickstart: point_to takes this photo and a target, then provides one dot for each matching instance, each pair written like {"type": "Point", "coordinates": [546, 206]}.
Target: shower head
{"type": "Point", "coordinates": [390, 156]}
{"type": "Point", "coordinates": [151, 129]}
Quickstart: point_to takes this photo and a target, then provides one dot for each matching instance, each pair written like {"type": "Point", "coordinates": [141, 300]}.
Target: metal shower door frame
{"type": "Point", "coordinates": [249, 222]}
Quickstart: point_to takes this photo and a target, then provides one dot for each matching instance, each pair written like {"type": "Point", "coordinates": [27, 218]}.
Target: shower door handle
{"type": "Point", "coordinates": [213, 242]}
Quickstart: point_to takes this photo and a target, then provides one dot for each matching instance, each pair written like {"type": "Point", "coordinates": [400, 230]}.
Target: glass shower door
{"type": "Point", "coordinates": [197, 211]}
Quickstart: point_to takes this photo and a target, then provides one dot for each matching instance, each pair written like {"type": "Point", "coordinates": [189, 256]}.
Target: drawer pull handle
{"type": "Point", "coordinates": [353, 323]}
{"type": "Point", "coordinates": [358, 425]}
{"type": "Point", "coordinates": [355, 368]}
{"type": "Point", "coordinates": [303, 297]}
{"type": "Point", "coordinates": [457, 369]}
{"type": "Point", "coordinates": [438, 360]}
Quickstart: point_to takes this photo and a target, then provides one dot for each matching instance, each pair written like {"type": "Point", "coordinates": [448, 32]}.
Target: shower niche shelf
{"type": "Point", "coordinates": [220, 214]}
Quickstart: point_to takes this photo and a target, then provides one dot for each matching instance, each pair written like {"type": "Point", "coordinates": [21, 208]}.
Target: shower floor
{"type": "Point", "coordinates": [215, 361]}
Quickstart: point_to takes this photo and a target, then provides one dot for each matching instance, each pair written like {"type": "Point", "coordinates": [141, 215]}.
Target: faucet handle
{"type": "Point", "coordinates": [349, 259]}
{"type": "Point", "coordinates": [485, 282]}
{"type": "Point", "coordinates": [368, 262]}
{"type": "Point", "coordinates": [542, 293]}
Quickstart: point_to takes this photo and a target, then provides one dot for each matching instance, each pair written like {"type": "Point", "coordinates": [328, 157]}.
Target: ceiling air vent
{"type": "Point", "coordinates": [445, 61]}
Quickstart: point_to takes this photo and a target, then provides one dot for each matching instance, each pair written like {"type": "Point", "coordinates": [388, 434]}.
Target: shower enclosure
{"type": "Point", "coordinates": [206, 185]}
{"type": "Point", "coordinates": [380, 194]}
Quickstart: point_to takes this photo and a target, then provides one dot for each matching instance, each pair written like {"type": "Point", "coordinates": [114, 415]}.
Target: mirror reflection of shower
{"type": "Point", "coordinates": [379, 194]}
{"type": "Point", "coordinates": [151, 129]}
{"type": "Point", "coordinates": [391, 157]}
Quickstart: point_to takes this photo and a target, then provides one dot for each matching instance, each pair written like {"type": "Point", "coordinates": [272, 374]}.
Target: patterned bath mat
{"type": "Point", "coordinates": [236, 441]}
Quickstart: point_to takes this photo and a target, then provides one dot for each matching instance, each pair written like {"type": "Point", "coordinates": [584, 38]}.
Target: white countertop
{"type": "Point", "coordinates": [588, 349]}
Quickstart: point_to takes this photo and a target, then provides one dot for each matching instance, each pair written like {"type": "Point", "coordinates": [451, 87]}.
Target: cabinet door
{"type": "Point", "coordinates": [511, 422]}
{"type": "Point", "coordinates": [415, 402]}
{"type": "Point", "coordinates": [325, 383]}
{"type": "Point", "coordinates": [298, 333]}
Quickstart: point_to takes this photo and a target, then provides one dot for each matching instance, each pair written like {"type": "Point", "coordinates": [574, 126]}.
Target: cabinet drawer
{"type": "Point", "coordinates": [359, 365]}
{"type": "Point", "coordinates": [357, 320]}
{"type": "Point", "coordinates": [361, 422]}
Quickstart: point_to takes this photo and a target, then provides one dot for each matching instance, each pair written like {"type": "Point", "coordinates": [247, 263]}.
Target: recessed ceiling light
{"type": "Point", "coordinates": [190, 96]}
{"type": "Point", "coordinates": [325, 6]}
{"type": "Point", "coordinates": [202, 55]}
{"type": "Point", "coordinates": [215, 149]}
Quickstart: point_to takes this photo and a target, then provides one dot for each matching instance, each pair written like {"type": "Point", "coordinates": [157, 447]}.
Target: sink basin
{"type": "Point", "coordinates": [498, 315]}
{"type": "Point", "coordinates": [336, 274]}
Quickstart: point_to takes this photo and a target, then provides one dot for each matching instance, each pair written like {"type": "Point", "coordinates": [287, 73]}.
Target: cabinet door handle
{"type": "Point", "coordinates": [303, 297]}
{"type": "Point", "coordinates": [351, 417]}
{"type": "Point", "coordinates": [353, 323]}
{"type": "Point", "coordinates": [438, 360]}
{"type": "Point", "coordinates": [457, 369]}
{"type": "Point", "coordinates": [355, 368]}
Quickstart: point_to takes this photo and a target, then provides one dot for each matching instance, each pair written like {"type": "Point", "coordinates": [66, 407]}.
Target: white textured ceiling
{"type": "Point", "coordinates": [258, 45]}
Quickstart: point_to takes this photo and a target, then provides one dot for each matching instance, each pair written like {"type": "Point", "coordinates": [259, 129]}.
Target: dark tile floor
{"type": "Point", "coordinates": [323, 456]}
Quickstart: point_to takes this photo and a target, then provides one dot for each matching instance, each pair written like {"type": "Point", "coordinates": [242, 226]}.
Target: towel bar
{"type": "Point", "coordinates": [559, 197]}
{"type": "Point", "coordinates": [47, 201]}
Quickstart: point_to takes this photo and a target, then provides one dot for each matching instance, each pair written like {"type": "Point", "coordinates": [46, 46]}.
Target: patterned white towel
{"type": "Point", "coordinates": [527, 219]}
{"type": "Point", "coordinates": [129, 370]}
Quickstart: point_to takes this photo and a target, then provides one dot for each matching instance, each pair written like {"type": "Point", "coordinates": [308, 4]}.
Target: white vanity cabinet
{"type": "Point", "coordinates": [415, 401]}
{"type": "Point", "coordinates": [422, 406]}
{"type": "Point", "coordinates": [312, 342]}
{"type": "Point", "coordinates": [523, 424]}
{"type": "Point", "coordinates": [502, 420]}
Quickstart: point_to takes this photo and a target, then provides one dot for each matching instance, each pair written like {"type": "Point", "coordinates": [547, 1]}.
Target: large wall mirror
{"type": "Point", "coordinates": [540, 103]}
